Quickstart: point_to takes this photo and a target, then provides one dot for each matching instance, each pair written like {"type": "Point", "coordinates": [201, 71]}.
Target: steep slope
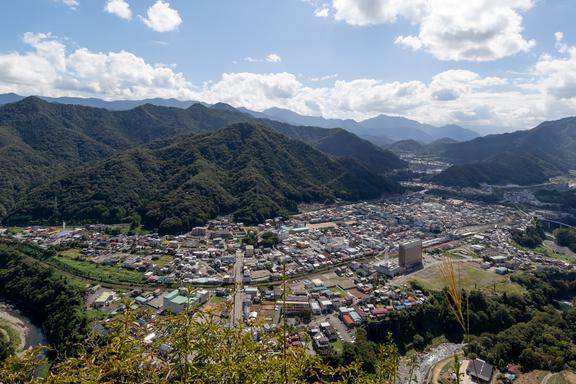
{"type": "Point", "coordinates": [344, 143]}
{"type": "Point", "coordinates": [40, 140]}
{"type": "Point", "coordinates": [523, 157]}
{"type": "Point", "coordinates": [245, 169]}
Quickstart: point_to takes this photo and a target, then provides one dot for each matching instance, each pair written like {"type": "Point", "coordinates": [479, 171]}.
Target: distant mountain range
{"type": "Point", "coordinates": [522, 157]}
{"type": "Point", "coordinates": [120, 105]}
{"type": "Point", "coordinates": [48, 150]}
{"type": "Point", "coordinates": [381, 130]}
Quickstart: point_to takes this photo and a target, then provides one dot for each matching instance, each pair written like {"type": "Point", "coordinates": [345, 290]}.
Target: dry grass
{"type": "Point", "coordinates": [459, 308]}
{"type": "Point", "coordinates": [469, 278]}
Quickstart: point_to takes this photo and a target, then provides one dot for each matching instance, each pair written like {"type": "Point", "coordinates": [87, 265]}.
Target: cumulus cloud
{"type": "Point", "coordinates": [480, 30]}
{"type": "Point", "coordinates": [547, 90]}
{"type": "Point", "coordinates": [257, 91]}
{"type": "Point", "coordinates": [557, 75]}
{"type": "Point", "coordinates": [450, 97]}
{"type": "Point", "coordinates": [119, 8]}
{"type": "Point", "coordinates": [48, 69]}
{"type": "Point", "coordinates": [161, 18]}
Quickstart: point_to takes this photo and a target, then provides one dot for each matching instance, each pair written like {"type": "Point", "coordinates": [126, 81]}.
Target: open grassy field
{"type": "Point", "coordinates": [72, 253]}
{"type": "Point", "coordinates": [98, 272]}
{"type": "Point", "coordinates": [469, 277]}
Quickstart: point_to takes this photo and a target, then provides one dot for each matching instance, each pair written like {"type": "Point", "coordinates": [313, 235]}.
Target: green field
{"type": "Point", "coordinates": [338, 346]}
{"type": "Point", "coordinates": [163, 261]}
{"type": "Point", "coordinates": [72, 253]}
{"type": "Point", "coordinates": [469, 277]}
{"type": "Point", "coordinates": [90, 270]}
{"type": "Point", "coordinates": [554, 254]}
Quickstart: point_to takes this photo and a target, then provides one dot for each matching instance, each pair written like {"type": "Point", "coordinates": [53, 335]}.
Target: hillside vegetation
{"type": "Point", "coordinates": [40, 142]}
{"type": "Point", "coordinates": [523, 157]}
{"type": "Point", "coordinates": [248, 170]}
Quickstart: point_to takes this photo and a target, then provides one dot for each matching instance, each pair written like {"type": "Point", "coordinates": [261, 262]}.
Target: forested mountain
{"type": "Point", "coordinates": [522, 157]}
{"type": "Point", "coordinates": [39, 140]}
{"type": "Point", "coordinates": [380, 130]}
{"type": "Point", "coordinates": [244, 169]}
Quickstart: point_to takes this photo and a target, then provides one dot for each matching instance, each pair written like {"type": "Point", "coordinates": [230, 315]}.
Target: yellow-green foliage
{"type": "Point", "coordinates": [202, 351]}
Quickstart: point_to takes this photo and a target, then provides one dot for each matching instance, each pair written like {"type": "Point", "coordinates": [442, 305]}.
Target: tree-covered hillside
{"type": "Point", "coordinates": [40, 141]}
{"type": "Point", "coordinates": [248, 170]}
{"type": "Point", "coordinates": [523, 157]}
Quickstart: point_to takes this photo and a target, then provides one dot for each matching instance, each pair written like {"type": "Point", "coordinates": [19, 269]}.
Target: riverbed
{"type": "Point", "coordinates": [30, 334]}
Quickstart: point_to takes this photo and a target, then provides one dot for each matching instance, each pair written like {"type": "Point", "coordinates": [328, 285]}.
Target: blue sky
{"type": "Point", "coordinates": [496, 63]}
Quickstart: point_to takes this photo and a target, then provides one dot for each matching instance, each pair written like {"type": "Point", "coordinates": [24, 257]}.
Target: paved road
{"type": "Point", "coordinates": [236, 317]}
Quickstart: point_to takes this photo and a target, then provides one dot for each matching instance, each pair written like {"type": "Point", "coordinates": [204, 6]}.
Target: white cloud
{"type": "Point", "coordinates": [119, 8]}
{"type": "Point", "coordinates": [270, 58]}
{"type": "Point", "coordinates": [480, 30]}
{"type": "Point", "coordinates": [560, 45]}
{"type": "Point", "coordinates": [321, 9]}
{"type": "Point", "coordinates": [456, 96]}
{"type": "Point", "coordinates": [546, 90]}
{"type": "Point", "coordinates": [73, 4]}
{"type": "Point", "coordinates": [48, 69]}
{"type": "Point", "coordinates": [409, 41]}
{"type": "Point", "coordinates": [258, 91]}
{"type": "Point", "coordinates": [161, 18]}
{"type": "Point", "coordinates": [322, 12]}
{"type": "Point", "coordinates": [273, 58]}
{"type": "Point", "coordinates": [557, 75]}
{"type": "Point", "coordinates": [325, 77]}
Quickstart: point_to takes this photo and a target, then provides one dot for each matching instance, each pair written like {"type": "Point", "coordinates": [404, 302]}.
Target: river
{"type": "Point", "coordinates": [33, 335]}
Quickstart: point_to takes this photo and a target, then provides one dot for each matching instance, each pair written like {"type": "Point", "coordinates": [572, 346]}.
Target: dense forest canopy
{"type": "Point", "coordinates": [50, 300]}
{"type": "Point", "coordinates": [248, 170]}
{"type": "Point", "coordinates": [41, 142]}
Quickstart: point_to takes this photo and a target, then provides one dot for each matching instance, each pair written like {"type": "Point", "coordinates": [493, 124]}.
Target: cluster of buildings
{"type": "Point", "coordinates": [340, 262]}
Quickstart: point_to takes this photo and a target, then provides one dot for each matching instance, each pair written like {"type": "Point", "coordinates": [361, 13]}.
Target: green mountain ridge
{"type": "Point", "coordinates": [522, 157]}
{"type": "Point", "coordinates": [40, 141]}
{"type": "Point", "coordinates": [245, 169]}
